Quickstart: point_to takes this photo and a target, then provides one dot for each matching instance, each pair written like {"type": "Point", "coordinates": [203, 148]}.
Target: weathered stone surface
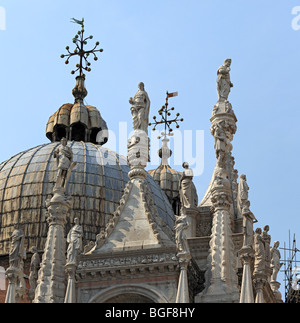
{"type": "Point", "coordinates": [96, 185]}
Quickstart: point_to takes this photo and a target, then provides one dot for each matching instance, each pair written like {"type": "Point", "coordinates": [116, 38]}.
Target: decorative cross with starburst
{"type": "Point", "coordinates": [80, 41]}
{"type": "Point", "coordinates": [165, 112]}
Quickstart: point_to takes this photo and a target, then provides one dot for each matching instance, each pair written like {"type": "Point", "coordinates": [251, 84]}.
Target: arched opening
{"type": "Point", "coordinates": [129, 298]}
{"type": "Point", "coordinates": [60, 132]}
{"type": "Point", "coordinates": [176, 205]}
{"type": "Point", "coordinates": [93, 137]}
{"type": "Point", "coordinates": [78, 132]}
{"type": "Point", "coordinates": [129, 294]}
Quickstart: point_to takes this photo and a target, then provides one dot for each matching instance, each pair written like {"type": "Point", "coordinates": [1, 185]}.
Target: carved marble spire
{"type": "Point", "coordinates": [221, 275]}
{"type": "Point", "coordinates": [135, 224]}
{"type": "Point", "coordinates": [223, 128]}
{"type": "Point", "coordinates": [51, 279]}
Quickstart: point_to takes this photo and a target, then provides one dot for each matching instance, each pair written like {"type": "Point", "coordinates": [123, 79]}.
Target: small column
{"type": "Point", "coordinates": [275, 285]}
{"type": "Point", "coordinates": [259, 283]}
{"type": "Point", "coordinates": [184, 257]}
{"type": "Point", "coordinates": [70, 296]}
{"type": "Point", "coordinates": [183, 285]}
{"type": "Point", "coordinates": [12, 276]}
{"type": "Point", "coordinates": [246, 255]}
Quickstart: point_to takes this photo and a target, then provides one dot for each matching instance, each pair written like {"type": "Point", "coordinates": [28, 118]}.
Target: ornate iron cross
{"type": "Point", "coordinates": [80, 41]}
{"type": "Point", "coordinates": [165, 112]}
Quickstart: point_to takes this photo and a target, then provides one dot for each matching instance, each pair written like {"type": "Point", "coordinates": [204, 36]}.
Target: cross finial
{"type": "Point", "coordinates": [165, 112]}
{"type": "Point", "coordinates": [79, 40]}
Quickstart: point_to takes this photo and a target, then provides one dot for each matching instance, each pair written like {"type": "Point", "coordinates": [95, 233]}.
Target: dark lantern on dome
{"type": "Point", "coordinates": [78, 122]}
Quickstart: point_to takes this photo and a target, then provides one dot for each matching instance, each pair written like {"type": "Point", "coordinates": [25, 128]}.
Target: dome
{"type": "Point", "coordinates": [96, 186]}
{"type": "Point", "coordinates": [169, 180]}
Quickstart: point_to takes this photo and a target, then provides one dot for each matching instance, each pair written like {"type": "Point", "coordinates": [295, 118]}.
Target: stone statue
{"type": "Point", "coordinates": [65, 164]}
{"type": "Point", "coordinates": [181, 225]}
{"type": "Point", "coordinates": [17, 252]}
{"type": "Point", "coordinates": [140, 107]}
{"type": "Point", "coordinates": [220, 142]}
{"type": "Point", "coordinates": [242, 195]}
{"type": "Point", "coordinates": [221, 179]}
{"type": "Point", "coordinates": [267, 240]}
{"type": "Point", "coordinates": [248, 220]}
{"type": "Point", "coordinates": [15, 272]}
{"type": "Point", "coordinates": [259, 255]}
{"type": "Point", "coordinates": [33, 276]}
{"type": "Point", "coordinates": [275, 260]}
{"type": "Point", "coordinates": [74, 239]}
{"type": "Point", "coordinates": [186, 187]}
{"type": "Point", "coordinates": [224, 84]}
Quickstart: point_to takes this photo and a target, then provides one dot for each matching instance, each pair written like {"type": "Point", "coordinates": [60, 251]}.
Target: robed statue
{"type": "Point", "coordinates": [181, 225]}
{"type": "Point", "coordinates": [275, 260]}
{"type": "Point", "coordinates": [33, 276]}
{"type": "Point", "coordinates": [224, 84]}
{"type": "Point", "coordinates": [74, 239]}
{"type": "Point", "coordinates": [259, 252]}
{"type": "Point", "coordinates": [17, 251]}
{"type": "Point", "coordinates": [65, 164]}
{"type": "Point", "coordinates": [243, 206]}
{"type": "Point", "coordinates": [220, 142]}
{"type": "Point", "coordinates": [140, 108]}
{"type": "Point", "coordinates": [242, 195]}
{"type": "Point", "coordinates": [187, 188]}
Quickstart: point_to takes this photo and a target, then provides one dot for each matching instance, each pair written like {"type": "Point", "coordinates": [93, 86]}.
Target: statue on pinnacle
{"type": "Point", "coordinates": [140, 107]}
{"type": "Point", "coordinates": [224, 84]}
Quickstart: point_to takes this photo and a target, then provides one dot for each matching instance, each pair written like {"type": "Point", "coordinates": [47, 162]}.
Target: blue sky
{"type": "Point", "coordinates": [169, 45]}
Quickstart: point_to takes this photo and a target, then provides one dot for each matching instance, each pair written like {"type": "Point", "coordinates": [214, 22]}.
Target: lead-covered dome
{"type": "Point", "coordinates": [96, 185]}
